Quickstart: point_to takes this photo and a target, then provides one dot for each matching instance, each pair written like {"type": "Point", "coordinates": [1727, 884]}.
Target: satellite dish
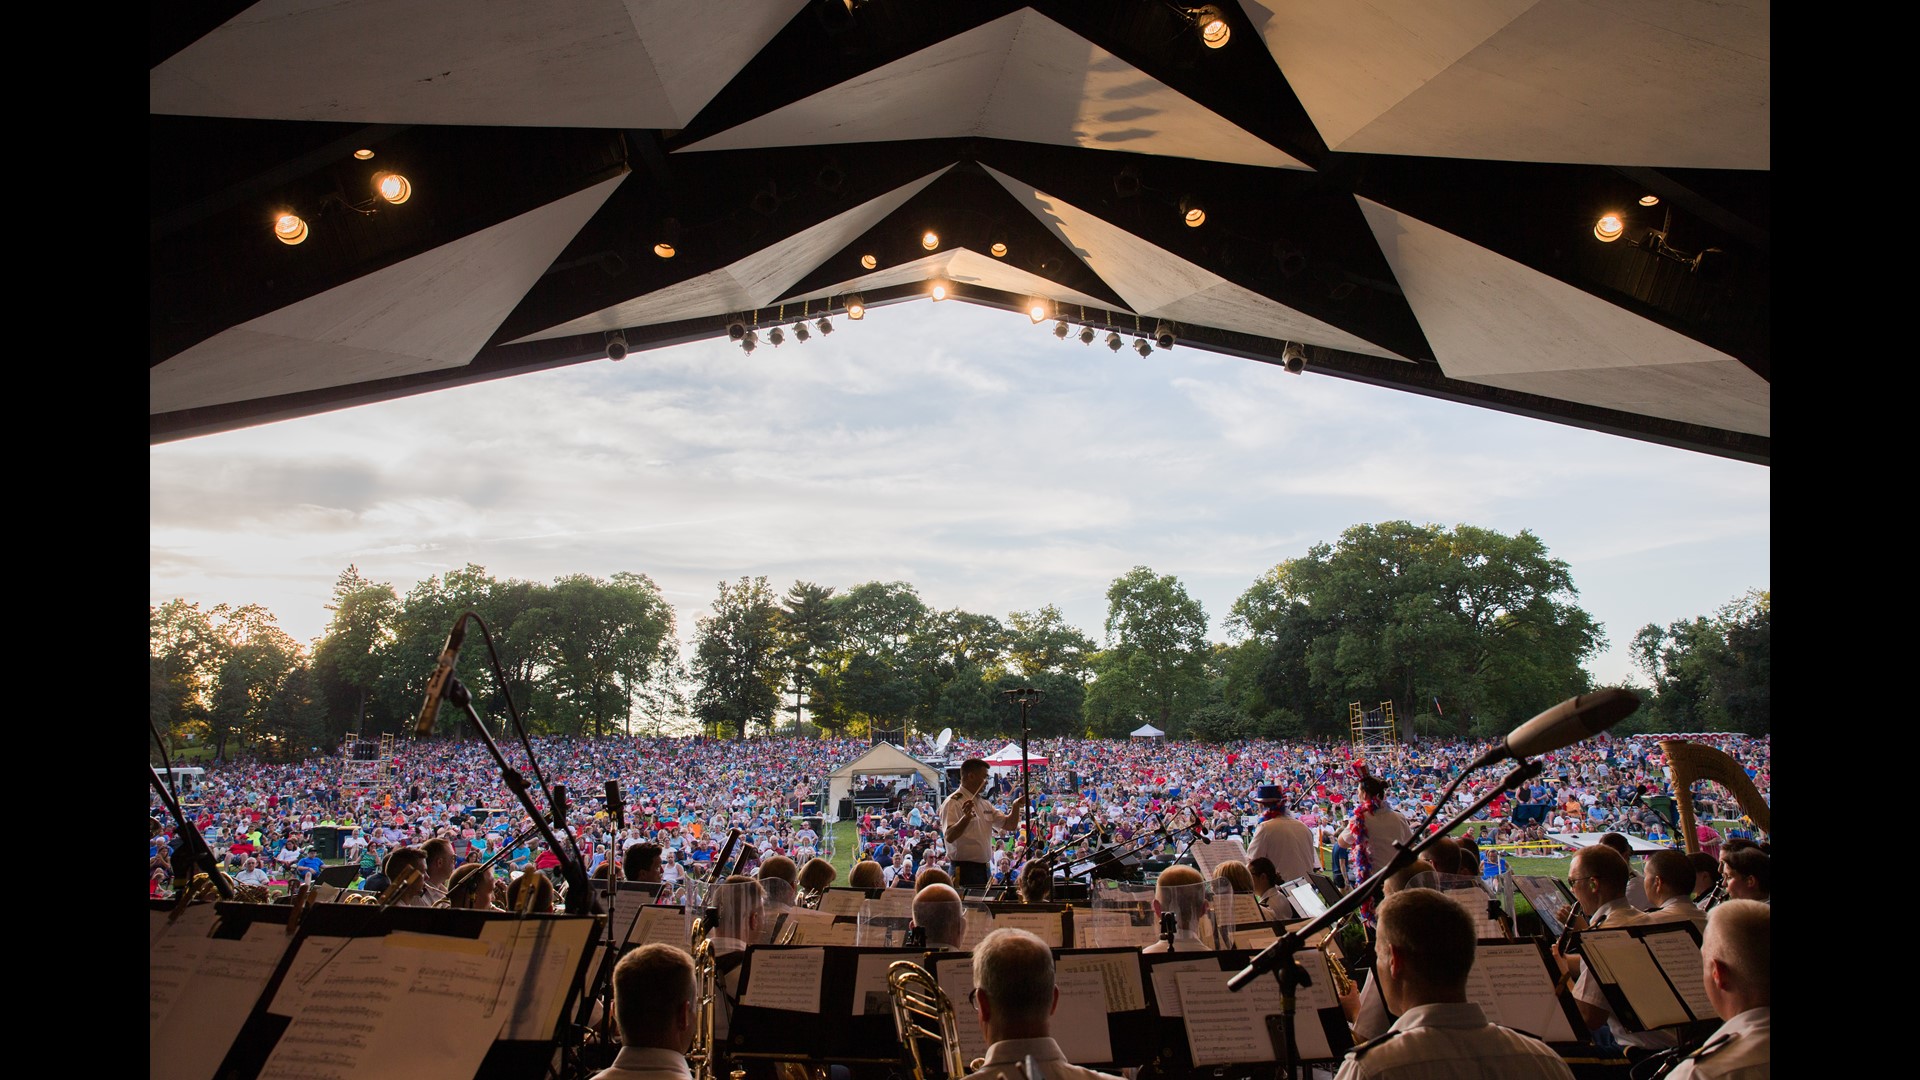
{"type": "Point", "coordinates": [940, 744]}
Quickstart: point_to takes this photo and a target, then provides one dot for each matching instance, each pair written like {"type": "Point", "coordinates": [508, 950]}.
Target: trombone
{"type": "Point", "coordinates": [917, 999]}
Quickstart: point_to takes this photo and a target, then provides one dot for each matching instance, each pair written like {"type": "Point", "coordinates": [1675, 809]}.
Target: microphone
{"type": "Point", "coordinates": [1563, 725]}
{"type": "Point", "coordinates": [559, 819]}
{"type": "Point", "coordinates": [437, 682]}
{"type": "Point", "coordinates": [614, 806]}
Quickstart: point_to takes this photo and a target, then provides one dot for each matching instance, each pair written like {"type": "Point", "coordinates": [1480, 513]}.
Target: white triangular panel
{"type": "Point", "coordinates": [426, 313]}
{"type": "Point", "coordinates": [1495, 321]}
{"type": "Point", "coordinates": [1662, 83]}
{"type": "Point", "coordinates": [962, 266]}
{"type": "Point", "coordinates": [1021, 77]}
{"type": "Point", "coordinates": [1154, 281]}
{"type": "Point", "coordinates": [588, 63]}
{"type": "Point", "coordinates": [752, 282]}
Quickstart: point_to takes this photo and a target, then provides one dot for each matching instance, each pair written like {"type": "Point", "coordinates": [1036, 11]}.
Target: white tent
{"type": "Point", "coordinates": [1008, 759]}
{"type": "Point", "coordinates": [1148, 731]}
{"type": "Point", "coordinates": [881, 759]}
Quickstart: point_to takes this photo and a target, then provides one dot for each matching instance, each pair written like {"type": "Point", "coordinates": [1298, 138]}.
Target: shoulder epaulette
{"type": "Point", "coordinates": [1717, 1043]}
{"type": "Point", "coordinates": [1371, 1043]}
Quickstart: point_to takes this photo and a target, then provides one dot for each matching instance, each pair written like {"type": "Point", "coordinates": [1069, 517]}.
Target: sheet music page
{"type": "Point", "coordinates": [1599, 963]}
{"type": "Point", "coordinates": [893, 904]}
{"type": "Point", "coordinates": [956, 978]}
{"type": "Point", "coordinates": [870, 995]}
{"type": "Point", "coordinates": [664, 926]}
{"type": "Point", "coordinates": [628, 903]}
{"type": "Point", "coordinates": [1317, 995]}
{"type": "Point", "coordinates": [1208, 856]}
{"type": "Point", "coordinates": [173, 956]}
{"type": "Point", "coordinates": [979, 925]}
{"type": "Point", "coordinates": [785, 979]}
{"type": "Point", "coordinates": [1631, 967]}
{"type": "Point", "coordinates": [1679, 959]}
{"type": "Point", "coordinates": [293, 989]}
{"type": "Point", "coordinates": [1166, 990]}
{"type": "Point", "coordinates": [1046, 925]}
{"type": "Point", "coordinates": [538, 971]}
{"type": "Point", "coordinates": [1515, 989]}
{"type": "Point", "coordinates": [842, 901]}
{"type": "Point", "coordinates": [1080, 1019]}
{"type": "Point", "coordinates": [1222, 1026]}
{"type": "Point", "coordinates": [809, 927]}
{"type": "Point", "coordinates": [1118, 972]}
{"type": "Point", "coordinates": [1255, 939]}
{"type": "Point", "coordinates": [192, 1042]}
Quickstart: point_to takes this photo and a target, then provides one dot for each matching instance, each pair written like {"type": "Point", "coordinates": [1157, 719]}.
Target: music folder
{"type": "Point", "coordinates": [1104, 1019]}
{"type": "Point", "coordinates": [816, 1003]}
{"type": "Point", "coordinates": [1202, 1024]}
{"type": "Point", "coordinates": [1650, 973]}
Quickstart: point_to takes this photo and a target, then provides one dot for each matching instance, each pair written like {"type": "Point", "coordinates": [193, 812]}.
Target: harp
{"type": "Point", "coordinates": [1693, 761]}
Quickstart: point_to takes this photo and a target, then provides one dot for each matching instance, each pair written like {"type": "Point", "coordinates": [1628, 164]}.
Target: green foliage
{"type": "Point", "coordinates": [1043, 641]}
{"type": "Point", "coordinates": [737, 659]}
{"type": "Point", "coordinates": [1711, 674]}
{"type": "Point", "coordinates": [1154, 665]}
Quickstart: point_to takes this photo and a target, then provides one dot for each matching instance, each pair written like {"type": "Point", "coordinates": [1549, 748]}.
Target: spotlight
{"type": "Point", "coordinates": [1292, 259]}
{"type": "Point", "coordinates": [999, 250]}
{"type": "Point", "coordinates": [1163, 334]}
{"type": "Point", "coordinates": [393, 187]}
{"type": "Point", "coordinates": [1191, 213]}
{"type": "Point", "coordinates": [617, 346]}
{"type": "Point", "coordinates": [766, 201]}
{"type": "Point", "coordinates": [736, 331]}
{"type": "Point", "coordinates": [1037, 311]}
{"type": "Point", "coordinates": [1113, 340]}
{"type": "Point", "coordinates": [1294, 358]}
{"type": "Point", "coordinates": [289, 229]}
{"type": "Point", "coordinates": [749, 343]}
{"type": "Point", "coordinates": [869, 261]}
{"type": "Point", "coordinates": [1140, 346]}
{"type": "Point", "coordinates": [1127, 184]}
{"type": "Point", "coordinates": [777, 337]}
{"type": "Point", "coordinates": [363, 155]}
{"type": "Point", "coordinates": [1212, 24]}
{"type": "Point", "coordinates": [856, 307]}
{"type": "Point", "coordinates": [931, 240]}
{"type": "Point", "coordinates": [800, 331]}
{"type": "Point", "coordinates": [824, 326]}
{"type": "Point", "coordinates": [830, 179]}
{"type": "Point", "coordinates": [1086, 335]}
{"type": "Point", "coordinates": [669, 240]}
{"type": "Point", "coordinates": [939, 290]}
{"type": "Point", "coordinates": [1608, 228]}
{"type": "Point", "coordinates": [1649, 200]}
{"type": "Point", "coordinates": [1060, 329]}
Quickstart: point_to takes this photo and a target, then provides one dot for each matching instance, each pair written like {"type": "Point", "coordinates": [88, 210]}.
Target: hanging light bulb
{"type": "Point", "coordinates": [856, 307]}
{"type": "Point", "coordinates": [1060, 330]}
{"type": "Point", "coordinates": [931, 240]}
{"type": "Point", "coordinates": [1649, 200]}
{"type": "Point", "coordinates": [393, 187]}
{"type": "Point", "coordinates": [749, 342]}
{"type": "Point", "coordinates": [289, 229]}
{"type": "Point", "coordinates": [777, 337]}
{"type": "Point", "coordinates": [1214, 31]}
{"type": "Point", "coordinates": [1037, 311]}
{"type": "Point", "coordinates": [823, 326]}
{"type": "Point", "coordinates": [363, 155]}
{"type": "Point", "coordinates": [1608, 228]}
{"type": "Point", "coordinates": [869, 261]}
{"type": "Point", "coordinates": [999, 250]}
{"type": "Point", "coordinates": [1192, 213]}
{"type": "Point", "coordinates": [939, 290]}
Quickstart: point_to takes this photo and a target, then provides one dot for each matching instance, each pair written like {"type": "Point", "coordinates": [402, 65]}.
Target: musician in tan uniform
{"type": "Point", "coordinates": [1736, 959]}
{"type": "Point", "coordinates": [1014, 998]}
{"type": "Point", "coordinates": [654, 1003]}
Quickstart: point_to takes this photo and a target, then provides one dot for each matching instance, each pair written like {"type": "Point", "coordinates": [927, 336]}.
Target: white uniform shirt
{"type": "Point", "coordinates": [646, 1063]}
{"type": "Point", "coordinates": [974, 844]}
{"type": "Point", "coordinates": [1001, 1056]}
{"type": "Point", "coordinates": [1740, 1049]}
{"type": "Point", "coordinates": [1452, 1041]}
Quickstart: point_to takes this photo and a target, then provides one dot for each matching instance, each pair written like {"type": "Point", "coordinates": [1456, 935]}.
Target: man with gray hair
{"type": "Point", "coordinates": [1014, 997]}
{"type": "Point", "coordinates": [1736, 958]}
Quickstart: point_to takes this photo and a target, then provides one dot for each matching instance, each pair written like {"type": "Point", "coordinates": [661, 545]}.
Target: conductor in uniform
{"type": "Point", "coordinates": [969, 823]}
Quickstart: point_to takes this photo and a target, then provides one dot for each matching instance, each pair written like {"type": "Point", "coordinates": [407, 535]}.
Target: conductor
{"type": "Point", "coordinates": [969, 823]}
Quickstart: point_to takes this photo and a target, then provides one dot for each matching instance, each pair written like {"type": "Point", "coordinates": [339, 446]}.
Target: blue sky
{"type": "Point", "coordinates": [959, 448]}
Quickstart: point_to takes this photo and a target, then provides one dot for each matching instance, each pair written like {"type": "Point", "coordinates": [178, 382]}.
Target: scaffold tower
{"type": "Point", "coordinates": [369, 763]}
{"type": "Point", "coordinates": [1375, 734]}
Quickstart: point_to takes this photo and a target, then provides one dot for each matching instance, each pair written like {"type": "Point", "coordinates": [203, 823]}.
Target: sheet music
{"type": "Point", "coordinates": [979, 924]}
{"type": "Point", "coordinates": [1679, 959]}
{"type": "Point", "coordinates": [629, 900]}
{"type": "Point", "coordinates": [843, 901]}
{"type": "Point", "coordinates": [1222, 1026]}
{"type": "Point", "coordinates": [1109, 930]}
{"type": "Point", "coordinates": [870, 995]}
{"type": "Point", "coordinates": [1246, 910]}
{"type": "Point", "coordinates": [1118, 972]}
{"type": "Point", "coordinates": [785, 979]}
{"type": "Point", "coordinates": [1166, 991]}
{"type": "Point", "coordinates": [808, 926]}
{"type": "Point", "coordinates": [174, 954]}
{"type": "Point", "coordinates": [1515, 990]}
{"type": "Point", "coordinates": [1627, 964]}
{"type": "Point", "coordinates": [1209, 856]}
{"type": "Point", "coordinates": [893, 904]}
{"type": "Point", "coordinates": [663, 926]}
{"type": "Point", "coordinates": [1080, 1018]}
{"type": "Point", "coordinates": [1255, 939]}
{"type": "Point", "coordinates": [1046, 925]}
{"type": "Point", "coordinates": [539, 957]}
{"type": "Point", "coordinates": [293, 990]}
{"type": "Point", "coordinates": [956, 978]}
{"type": "Point", "coordinates": [1319, 993]}
{"type": "Point", "coordinates": [191, 1042]}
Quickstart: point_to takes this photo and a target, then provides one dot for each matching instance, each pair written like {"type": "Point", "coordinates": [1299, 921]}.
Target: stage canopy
{"type": "Point", "coordinates": [1147, 731]}
{"type": "Point", "coordinates": [881, 759]}
{"type": "Point", "coordinates": [1008, 756]}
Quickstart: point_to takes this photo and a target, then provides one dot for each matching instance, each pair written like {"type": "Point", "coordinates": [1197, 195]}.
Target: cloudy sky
{"type": "Point", "coordinates": [954, 447]}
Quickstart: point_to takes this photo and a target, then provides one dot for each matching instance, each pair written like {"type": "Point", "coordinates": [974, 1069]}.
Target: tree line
{"type": "Point", "coordinates": [1466, 630]}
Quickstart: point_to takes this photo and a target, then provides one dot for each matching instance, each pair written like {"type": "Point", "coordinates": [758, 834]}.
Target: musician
{"type": "Point", "coordinates": [1285, 842]}
{"type": "Point", "coordinates": [1706, 878]}
{"type": "Point", "coordinates": [1736, 960]}
{"type": "Point", "coordinates": [1669, 888]}
{"type": "Point", "coordinates": [969, 822]}
{"type": "Point", "coordinates": [866, 874]}
{"type": "Point", "coordinates": [816, 876]}
{"type": "Point", "coordinates": [1366, 1008]}
{"type": "Point", "coordinates": [778, 877]}
{"type": "Point", "coordinates": [1374, 829]}
{"type": "Point", "coordinates": [1748, 873]}
{"type": "Point", "coordinates": [1014, 997]}
{"type": "Point", "coordinates": [470, 888]}
{"type": "Point", "coordinates": [535, 883]}
{"type": "Point", "coordinates": [398, 862]}
{"type": "Point", "coordinates": [655, 1004]}
{"type": "Point", "coordinates": [1636, 885]}
{"type": "Point", "coordinates": [641, 862]}
{"type": "Point", "coordinates": [1036, 881]}
{"type": "Point", "coordinates": [440, 863]}
{"type": "Point", "coordinates": [1178, 889]}
{"type": "Point", "coordinates": [1598, 878]}
{"type": "Point", "coordinates": [937, 910]}
{"type": "Point", "coordinates": [1424, 955]}
{"type": "Point", "coordinates": [1266, 889]}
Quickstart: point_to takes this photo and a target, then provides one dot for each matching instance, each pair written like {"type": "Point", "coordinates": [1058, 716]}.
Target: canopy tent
{"type": "Point", "coordinates": [881, 758]}
{"type": "Point", "coordinates": [1007, 759]}
{"type": "Point", "coordinates": [1147, 731]}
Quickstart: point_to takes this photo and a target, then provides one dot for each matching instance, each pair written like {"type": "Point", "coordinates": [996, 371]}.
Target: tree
{"type": "Point", "coordinates": [257, 658]}
{"type": "Point", "coordinates": [881, 673]}
{"type": "Point", "coordinates": [737, 659]}
{"type": "Point", "coordinates": [808, 632]}
{"type": "Point", "coordinates": [183, 653]}
{"type": "Point", "coordinates": [1043, 641]}
{"type": "Point", "coordinates": [1154, 665]}
{"type": "Point", "coordinates": [1711, 674]}
{"type": "Point", "coordinates": [355, 669]}
{"type": "Point", "coordinates": [597, 642]}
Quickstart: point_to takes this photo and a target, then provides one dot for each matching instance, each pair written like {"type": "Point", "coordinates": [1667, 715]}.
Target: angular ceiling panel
{"type": "Point", "coordinates": [1637, 82]}
{"type": "Point", "coordinates": [962, 266]}
{"type": "Point", "coordinates": [433, 311]}
{"type": "Point", "coordinates": [1159, 283]}
{"type": "Point", "coordinates": [592, 63]}
{"type": "Point", "coordinates": [1495, 321]}
{"type": "Point", "coordinates": [752, 282]}
{"type": "Point", "coordinates": [1021, 77]}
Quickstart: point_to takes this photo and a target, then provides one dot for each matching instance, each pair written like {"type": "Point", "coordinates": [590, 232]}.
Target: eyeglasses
{"type": "Point", "coordinates": [970, 995]}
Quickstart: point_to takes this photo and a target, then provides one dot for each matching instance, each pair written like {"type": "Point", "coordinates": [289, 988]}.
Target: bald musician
{"type": "Point", "coordinates": [1014, 997]}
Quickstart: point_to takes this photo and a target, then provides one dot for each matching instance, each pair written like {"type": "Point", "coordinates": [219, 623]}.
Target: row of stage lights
{"type": "Point", "coordinates": [1612, 225]}
{"type": "Point", "coordinates": [290, 228]}
{"type": "Point", "coordinates": [1293, 358]}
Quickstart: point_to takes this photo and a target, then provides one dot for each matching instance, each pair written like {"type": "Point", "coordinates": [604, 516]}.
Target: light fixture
{"type": "Point", "coordinates": [939, 290]}
{"type": "Point", "coordinates": [667, 246]}
{"type": "Point", "coordinates": [1293, 358]}
{"type": "Point", "coordinates": [393, 187]}
{"type": "Point", "coordinates": [869, 261]}
{"type": "Point", "coordinates": [1649, 200]}
{"type": "Point", "coordinates": [1037, 311]}
{"type": "Point", "coordinates": [1060, 330]}
{"type": "Point", "coordinates": [1163, 334]}
{"type": "Point", "coordinates": [1608, 228]}
{"type": "Point", "coordinates": [823, 326]}
{"type": "Point", "coordinates": [999, 250]}
{"type": "Point", "coordinates": [1126, 184]}
{"type": "Point", "coordinates": [800, 331]}
{"type": "Point", "coordinates": [1086, 335]}
{"type": "Point", "coordinates": [931, 240]}
{"type": "Point", "coordinates": [1191, 213]}
{"type": "Point", "coordinates": [363, 155]}
{"type": "Point", "coordinates": [617, 345]}
{"type": "Point", "coordinates": [1114, 341]}
{"type": "Point", "coordinates": [1140, 346]}
{"type": "Point", "coordinates": [289, 229]}
{"type": "Point", "coordinates": [777, 337]}
{"type": "Point", "coordinates": [736, 331]}
{"type": "Point", "coordinates": [1212, 24]}
{"type": "Point", "coordinates": [750, 342]}
{"type": "Point", "coordinates": [856, 307]}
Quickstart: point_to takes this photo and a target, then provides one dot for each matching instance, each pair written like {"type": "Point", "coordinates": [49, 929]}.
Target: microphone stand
{"type": "Point", "coordinates": [1278, 957]}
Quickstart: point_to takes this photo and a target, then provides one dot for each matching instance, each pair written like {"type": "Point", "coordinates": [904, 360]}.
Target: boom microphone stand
{"type": "Point", "coordinates": [1025, 696]}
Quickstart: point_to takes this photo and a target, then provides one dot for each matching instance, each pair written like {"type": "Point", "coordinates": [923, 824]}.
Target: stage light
{"type": "Point", "coordinates": [363, 155]}
{"type": "Point", "coordinates": [777, 337]}
{"type": "Point", "coordinates": [669, 232]}
{"type": "Point", "coordinates": [800, 331]}
{"type": "Point", "coordinates": [617, 346]}
{"type": "Point", "coordinates": [856, 307]}
{"type": "Point", "coordinates": [823, 326]}
{"type": "Point", "coordinates": [1060, 330]}
{"type": "Point", "coordinates": [1191, 213]}
{"type": "Point", "coordinates": [999, 251]}
{"type": "Point", "coordinates": [931, 240]}
{"type": "Point", "coordinates": [1608, 228]}
{"type": "Point", "coordinates": [289, 229]}
{"type": "Point", "coordinates": [1086, 335]}
{"type": "Point", "coordinates": [1140, 346]}
{"type": "Point", "coordinates": [1212, 24]}
{"type": "Point", "coordinates": [736, 331]}
{"type": "Point", "coordinates": [1037, 311]}
{"type": "Point", "coordinates": [1649, 200]}
{"type": "Point", "coordinates": [750, 342]}
{"type": "Point", "coordinates": [393, 187]}
{"type": "Point", "coordinates": [1114, 341]}
{"type": "Point", "coordinates": [1163, 334]}
{"type": "Point", "coordinates": [938, 291]}
{"type": "Point", "coordinates": [1293, 358]}
{"type": "Point", "coordinates": [869, 261]}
